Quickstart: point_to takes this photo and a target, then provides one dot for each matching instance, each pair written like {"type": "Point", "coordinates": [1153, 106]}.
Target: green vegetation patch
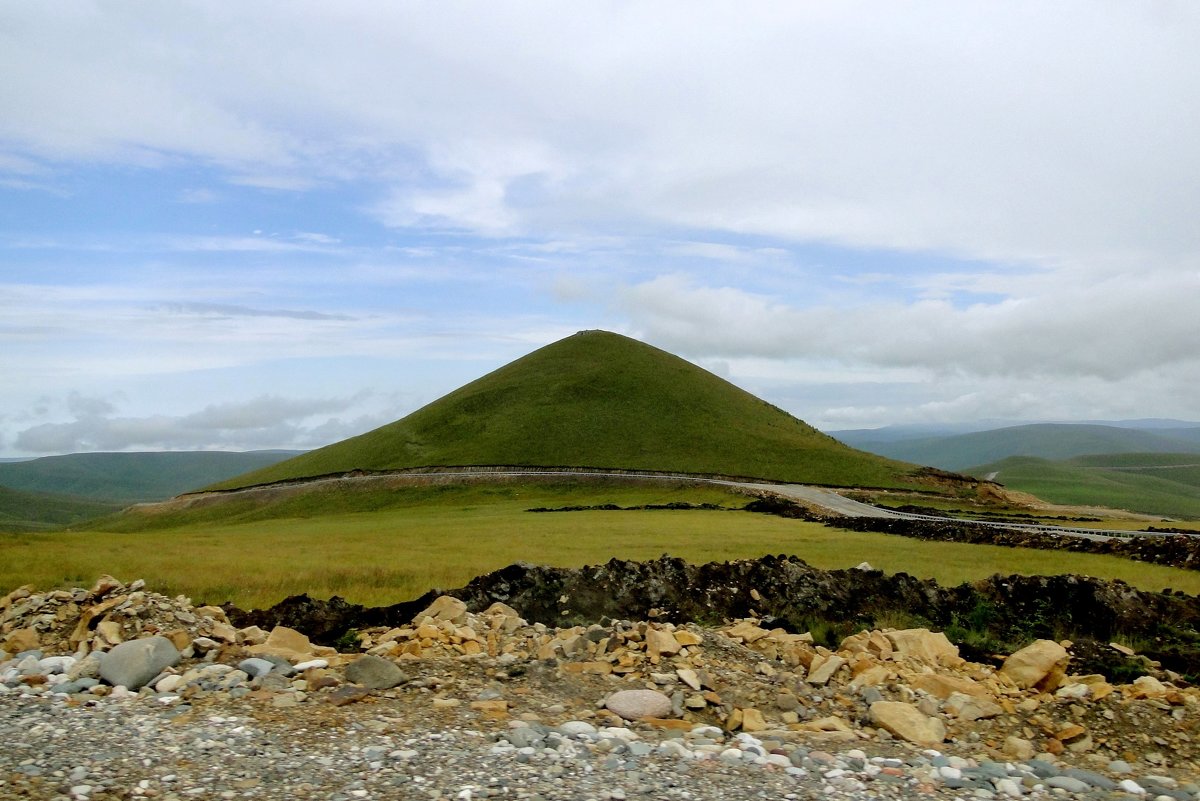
{"type": "Point", "coordinates": [1152, 483]}
{"type": "Point", "coordinates": [36, 511]}
{"type": "Point", "coordinates": [442, 536]}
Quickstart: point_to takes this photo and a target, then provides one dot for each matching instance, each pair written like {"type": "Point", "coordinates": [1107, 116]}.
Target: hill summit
{"type": "Point", "coordinates": [601, 400]}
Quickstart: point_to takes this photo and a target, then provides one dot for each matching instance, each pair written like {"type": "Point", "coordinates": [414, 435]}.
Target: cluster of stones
{"type": "Point", "coordinates": [618, 748]}
{"type": "Point", "coordinates": [742, 693]}
{"type": "Point", "coordinates": [912, 684]}
{"type": "Point", "coordinates": [82, 621]}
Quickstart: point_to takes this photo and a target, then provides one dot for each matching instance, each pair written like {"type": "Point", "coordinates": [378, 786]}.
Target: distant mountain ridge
{"type": "Point", "coordinates": [124, 478]}
{"type": "Point", "coordinates": [601, 400]}
{"type": "Point", "coordinates": [961, 451]}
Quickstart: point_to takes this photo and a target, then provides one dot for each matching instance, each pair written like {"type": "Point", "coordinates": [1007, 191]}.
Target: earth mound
{"type": "Point", "coordinates": [605, 401]}
{"type": "Point", "coordinates": [990, 616]}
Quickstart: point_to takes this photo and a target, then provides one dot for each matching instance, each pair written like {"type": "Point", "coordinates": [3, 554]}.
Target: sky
{"type": "Point", "coordinates": [279, 224]}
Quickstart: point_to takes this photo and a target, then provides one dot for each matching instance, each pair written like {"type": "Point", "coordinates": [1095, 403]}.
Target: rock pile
{"type": "Point", "coordinates": [742, 693]}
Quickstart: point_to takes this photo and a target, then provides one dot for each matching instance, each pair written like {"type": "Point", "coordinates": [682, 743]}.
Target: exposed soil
{"type": "Point", "coordinates": [985, 617]}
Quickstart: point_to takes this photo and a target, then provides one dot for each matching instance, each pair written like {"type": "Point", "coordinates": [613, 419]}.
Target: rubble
{"type": "Point", "coordinates": [885, 689]}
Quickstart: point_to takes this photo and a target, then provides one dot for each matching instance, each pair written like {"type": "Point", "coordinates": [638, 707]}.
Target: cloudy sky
{"type": "Point", "coordinates": [282, 223]}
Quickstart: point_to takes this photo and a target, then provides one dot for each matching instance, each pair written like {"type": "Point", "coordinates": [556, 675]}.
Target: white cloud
{"type": "Point", "coordinates": [198, 196]}
{"type": "Point", "coordinates": [1016, 131]}
{"type": "Point", "coordinates": [1101, 329]}
{"type": "Point", "coordinates": [265, 421]}
{"type": "Point", "coordinates": [749, 186]}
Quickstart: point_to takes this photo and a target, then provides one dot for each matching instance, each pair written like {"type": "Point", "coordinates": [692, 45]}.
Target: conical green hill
{"type": "Point", "coordinates": [601, 400]}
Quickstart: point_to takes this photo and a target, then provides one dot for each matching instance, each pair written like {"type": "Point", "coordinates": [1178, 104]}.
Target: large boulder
{"type": "Point", "coordinates": [1042, 665]}
{"type": "Point", "coordinates": [444, 607]}
{"type": "Point", "coordinates": [287, 643]}
{"type": "Point", "coordinates": [908, 723]}
{"type": "Point", "coordinates": [932, 648]}
{"type": "Point", "coordinates": [374, 672]}
{"type": "Point", "coordinates": [133, 664]}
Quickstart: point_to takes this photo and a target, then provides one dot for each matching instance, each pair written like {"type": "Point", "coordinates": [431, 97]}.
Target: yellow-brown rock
{"type": "Point", "coordinates": [753, 720]}
{"type": "Point", "coordinates": [445, 607]}
{"type": "Point", "coordinates": [21, 640]}
{"type": "Point", "coordinates": [923, 645]}
{"type": "Point", "coordinates": [286, 643]}
{"type": "Point", "coordinates": [660, 642]}
{"type": "Point", "coordinates": [110, 632]}
{"type": "Point", "coordinates": [873, 676]}
{"type": "Point", "coordinates": [83, 629]}
{"type": "Point", "coordinates": [907, 722]}
{"type": "Point", "coordinates": [821, 672]}
{"type": "Point", "coordinates": [214, 612]}
{"type": "Point", "coordinates": [1041, 665]}
{"type": "Point", "coordinates": [943, 685]}
{"type": "Point", "coordinates": [223, 632]}
{"type": "Point", "coordinates": [747, 631]}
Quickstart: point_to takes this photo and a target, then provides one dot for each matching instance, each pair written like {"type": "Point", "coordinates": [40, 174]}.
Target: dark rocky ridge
{"type": "Point", "coordinates": [786, 592]}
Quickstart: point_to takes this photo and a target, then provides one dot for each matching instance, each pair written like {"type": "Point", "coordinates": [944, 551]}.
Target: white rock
{"type": "Point", "coordinates": [311, 663]}
{"type": "Point", "coordinates": [1131, 787]}
{"type": "Point", "coordinates": [53, 665]}
{"type": "Point", "coordinates": [1009, 787]}
{"type": "Point", "coordinates": [168, 684]}
{"type": "Point", "coordinates": [620, 733]}
{"type": "Point", "coordinates": [635, 704]}
{"type": "Point", "coordinates": [674, 748]}
{"type": "Point", "coordinates": [731, 755]}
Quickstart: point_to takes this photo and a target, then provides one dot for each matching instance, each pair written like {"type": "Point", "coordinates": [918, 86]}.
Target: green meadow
{"type": "Point", "coordinates": [379, 547]}
{"type": "Point", "coordinates": [1154, 483]}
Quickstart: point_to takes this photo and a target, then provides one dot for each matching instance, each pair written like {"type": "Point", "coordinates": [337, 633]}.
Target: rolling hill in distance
{"type": "Point", "coordinates": [36, 511]}
{"type": "Point", "coordinates": [125, 478]}
{"type": "Point", "coordinates": [601, 400]}
{"type": "Point", "coordinates": [1156, 483]}
{"type": "Point", "coordinates": [960, 452]}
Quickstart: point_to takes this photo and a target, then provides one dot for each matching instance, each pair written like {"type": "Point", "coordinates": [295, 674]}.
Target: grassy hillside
{"type": "Point", "coordinates": [1043, 440]}
{"type": "Point", "coordinates": [1155, 483]}
{"type": "Point", "coordinates": [125, 478]}
{"type": "Point", "coordinates": [380, 548]}
{"type": "Point", "coordinates": [34, 511]}
{"type": "Point", "coordinates": [598, 399]}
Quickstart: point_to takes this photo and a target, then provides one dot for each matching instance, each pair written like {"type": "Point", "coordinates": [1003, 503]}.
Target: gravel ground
{"type": "Point", "coordinates": [224, 748]}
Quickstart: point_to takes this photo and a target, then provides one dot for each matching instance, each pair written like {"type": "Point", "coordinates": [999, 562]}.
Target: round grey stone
{"type": "Point", "coordinates": [255, 667]}
{"type": "Point", "coordinates": [1091, 778]}
{"type": "Point", "coordinates": [132, 664]}
{"type": "Point", "coordinates": [1071, 785]}
{"type": "Point", "coordinates": [374, 672]}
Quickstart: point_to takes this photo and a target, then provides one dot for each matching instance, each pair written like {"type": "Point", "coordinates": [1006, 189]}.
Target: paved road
{"type": "Point", "coordinates": [825, 498]}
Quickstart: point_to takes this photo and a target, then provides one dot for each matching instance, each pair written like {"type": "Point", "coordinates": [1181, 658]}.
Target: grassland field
{"type": "Point", "coordinates": [379, 548]}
